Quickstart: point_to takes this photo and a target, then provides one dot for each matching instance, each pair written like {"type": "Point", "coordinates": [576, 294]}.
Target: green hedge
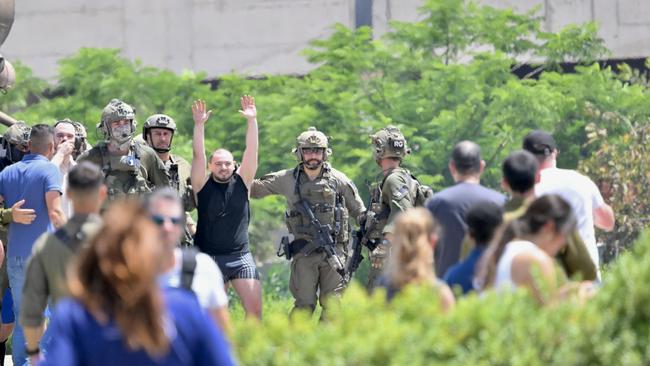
{"type": "Point", "coordinates": [497, 329]}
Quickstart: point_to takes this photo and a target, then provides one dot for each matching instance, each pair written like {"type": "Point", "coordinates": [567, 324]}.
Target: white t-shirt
{"type": "Point", "coordinates": [583, 196]}
{"type": "Point", "coordinates": [207, 283]}
{"type": "Point", "coordinates": [503, 279]}
{"type": "Point", "coordinates": [66, 204]}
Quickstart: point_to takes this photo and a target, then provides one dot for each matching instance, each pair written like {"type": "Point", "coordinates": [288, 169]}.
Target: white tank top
{"type": "Point", "coordinates": [503, 279]}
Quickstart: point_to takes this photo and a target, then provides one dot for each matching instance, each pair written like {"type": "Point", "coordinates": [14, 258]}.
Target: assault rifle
{"type": "Point", "coordinates": [360, 238]}
{"type": "Point", "coordinates": [322, 237]}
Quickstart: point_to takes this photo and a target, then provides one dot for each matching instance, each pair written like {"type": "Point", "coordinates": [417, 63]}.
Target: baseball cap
{"type": "Point", "coordinates": [539, 143]}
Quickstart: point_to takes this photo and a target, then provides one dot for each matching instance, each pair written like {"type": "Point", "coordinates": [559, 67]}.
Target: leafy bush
{"type": "Point", "coordinates": [497, 329]}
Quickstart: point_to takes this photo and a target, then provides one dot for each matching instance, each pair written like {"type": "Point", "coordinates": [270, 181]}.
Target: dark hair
{"type": "Point", "coordinates": [520, 170]}
{"type": "Point", "coordinates": [40, 137]}
{"type": "Point", "coordinates": [483, 218]}
{"type": "Point", "coordinates": [85, 177]}
{"type": "Point", "coordinates": [544, 209]}
{"type": "Point", "coordinates": [466, 157]}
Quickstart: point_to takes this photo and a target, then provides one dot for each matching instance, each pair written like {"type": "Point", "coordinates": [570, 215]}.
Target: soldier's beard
{"type": "Point", "coordinates": [313, 164]}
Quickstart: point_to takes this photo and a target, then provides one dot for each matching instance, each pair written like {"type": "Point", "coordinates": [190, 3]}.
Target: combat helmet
{"type": "Point", "coordinates": [312, 138]}
{"type": "Point", "coordinates": [116, 110]}
{"type": "Point", "coordinates": [17, 135]}
{"type": "Point", "coordinates": [389, 142]}
{"type": "Point", "coordinates": [158, 121]}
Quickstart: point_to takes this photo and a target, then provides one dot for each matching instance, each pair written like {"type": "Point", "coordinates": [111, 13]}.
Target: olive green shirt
{"type": "Point", "coordinates": [45, 276]}
{"type": "Point", "coordinates": [574, 256]}
{"type": "Point", "coordinates": [5, 220]}
{"type": "Point", "coordinates": [397, 195]}
{"type": "Point", "coordinates": [180, 180]}
{"type": "Point", "coordinates": [179, 170]}
{"type": "Point", "coordinates": [120, 178]}
{"type": "Point", "coordinates": [283, 183]}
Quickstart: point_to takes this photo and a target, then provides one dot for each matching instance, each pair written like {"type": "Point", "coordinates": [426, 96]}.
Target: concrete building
{"type": "Point", "coordinates": [259, 36]}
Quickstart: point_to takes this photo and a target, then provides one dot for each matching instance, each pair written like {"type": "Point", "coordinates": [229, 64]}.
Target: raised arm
{"type": "Point", "coordinates": [198, 171]}
{"type": "Point", "coordinates": [249, 160]}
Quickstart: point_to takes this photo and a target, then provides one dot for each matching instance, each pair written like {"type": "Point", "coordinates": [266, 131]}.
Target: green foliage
{"type": "Point", "coordinates": [497, 329]}
{"type": "Point", "coordinates": [621, 167]}
{"type": "Point", "coordinates": [445, 78]}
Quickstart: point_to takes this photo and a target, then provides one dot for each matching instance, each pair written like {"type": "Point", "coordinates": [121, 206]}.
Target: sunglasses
{"type": "Point", "coordinates": [160, 219]}
{"type": "Point", "coordinates": [312, 150]}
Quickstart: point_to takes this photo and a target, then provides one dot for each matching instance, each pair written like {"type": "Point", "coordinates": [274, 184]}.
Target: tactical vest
{"type": "Point", "coordinates": [174, 177]}
{"type": "Point", "coordinates": [379, 210]}
{"type": "Point", "coordinates": [326, 201]}
{"type": "Point", "coordinates": [131, 181]}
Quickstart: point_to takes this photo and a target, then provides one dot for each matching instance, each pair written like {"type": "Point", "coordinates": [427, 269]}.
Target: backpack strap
{"type": "Point", "coordinates": [72, 242]}
{"type": "Point", "coordinates": [106, 163]}
{"type": "Point", "coordinates": [188, 267]}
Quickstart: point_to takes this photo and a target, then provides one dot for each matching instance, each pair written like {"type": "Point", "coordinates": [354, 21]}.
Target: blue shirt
{"type": "Point", "coordinates": [462, 274]}
{"type": "Point", "coordinates": [29, 179]}
{"type": "Point", "coordinates": [78, 339]}
{"type": "Point", "coordinates": [449, 208]}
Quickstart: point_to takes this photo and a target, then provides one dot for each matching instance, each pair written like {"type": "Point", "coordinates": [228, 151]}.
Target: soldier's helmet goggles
{"type": "Point", "coordinates": [312, 150]}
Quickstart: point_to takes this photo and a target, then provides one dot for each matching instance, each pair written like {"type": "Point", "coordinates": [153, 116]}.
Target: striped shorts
{"type": "Point", "coordinates": [237, 266]}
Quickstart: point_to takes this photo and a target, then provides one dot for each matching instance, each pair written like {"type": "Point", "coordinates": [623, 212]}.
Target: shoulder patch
{"type": "Point", "coordinates": [399, 192]}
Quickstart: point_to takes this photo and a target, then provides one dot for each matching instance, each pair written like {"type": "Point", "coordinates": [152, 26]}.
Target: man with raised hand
{"type": "Point", "coordinates": [222, 196]}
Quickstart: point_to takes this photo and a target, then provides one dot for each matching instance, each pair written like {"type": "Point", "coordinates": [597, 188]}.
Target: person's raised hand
{"type": "Point", "coordinates": [199, 114]}
{"type": "Point", "coordinates": [248, 109]}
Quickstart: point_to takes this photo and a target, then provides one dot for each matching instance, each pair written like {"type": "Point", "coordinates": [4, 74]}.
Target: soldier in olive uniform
{"type": "Point", "coordinates": [333, 199]}
{"type": "Point", "coordinates": [130, 168]}
{"type": "Point", "coordinates": [397, 192]}
{"type": "Point", "coordinates": [158, 132]}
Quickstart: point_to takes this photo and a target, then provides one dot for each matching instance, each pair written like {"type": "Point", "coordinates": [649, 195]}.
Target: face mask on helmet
{"type": "Point", "coordinates": [15, 154]}
{"type": "Point", "coordinates": [121, 136]}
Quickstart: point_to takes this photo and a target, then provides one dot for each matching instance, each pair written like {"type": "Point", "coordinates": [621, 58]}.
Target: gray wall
{"type": "Point", "coordinates": [624, 24]}
{"type": "Point", "coordinates": [256, 36]}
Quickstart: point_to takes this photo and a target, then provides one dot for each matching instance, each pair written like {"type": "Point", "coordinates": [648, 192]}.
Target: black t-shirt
{"type": "Point", "coordinates": [223, 217]}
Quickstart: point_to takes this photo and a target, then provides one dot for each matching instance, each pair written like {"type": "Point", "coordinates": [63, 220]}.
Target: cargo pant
{"type": "Point", "coordinates": [380, 254]}
{"type": "Point", "coordinates": [312, 279]}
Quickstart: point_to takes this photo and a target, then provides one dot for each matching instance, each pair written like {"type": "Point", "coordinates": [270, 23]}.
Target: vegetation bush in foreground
{"type": "Point", "coordinates": [496, 329]}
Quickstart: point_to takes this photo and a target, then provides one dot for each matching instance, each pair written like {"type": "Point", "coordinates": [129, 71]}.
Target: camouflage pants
{"type": "Point", "coordinates": [312, 279]}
